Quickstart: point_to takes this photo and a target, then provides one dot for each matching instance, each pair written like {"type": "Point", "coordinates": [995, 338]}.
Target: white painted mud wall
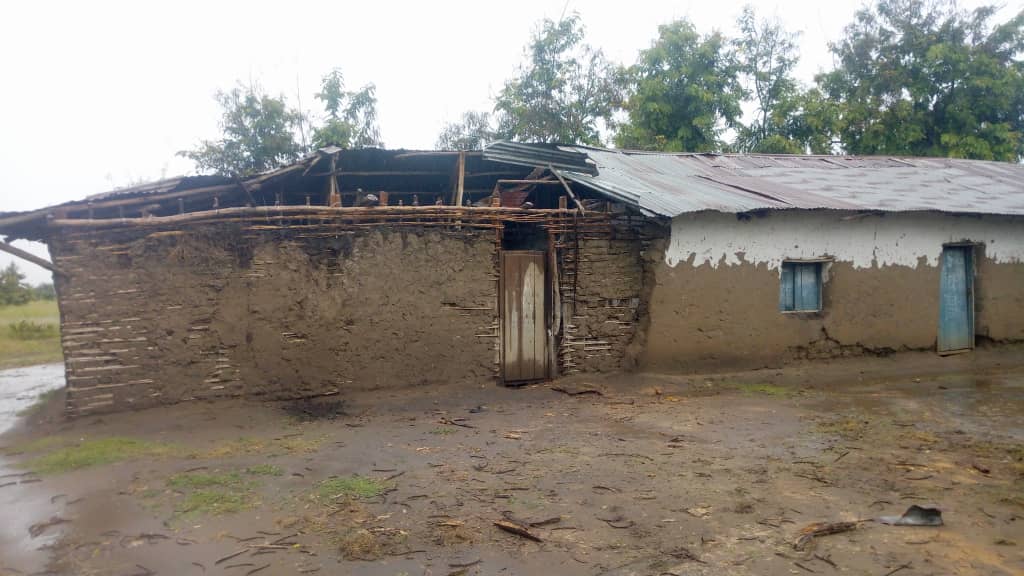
{"type": "Point", "coordinates": [866, 241]}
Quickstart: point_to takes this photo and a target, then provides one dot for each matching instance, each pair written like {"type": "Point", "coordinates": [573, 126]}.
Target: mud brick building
{"type": "Point", "coordinates": [372, 268]}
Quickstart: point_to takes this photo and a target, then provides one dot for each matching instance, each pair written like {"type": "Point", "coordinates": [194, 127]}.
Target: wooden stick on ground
{"type": "Point", "coordinates": [517, 529]}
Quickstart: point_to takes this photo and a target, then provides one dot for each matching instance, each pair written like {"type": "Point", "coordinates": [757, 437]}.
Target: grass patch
{"type": "Point", "coordinates": [215, 493]}
{"type": "Point", "coordinates": [849, 428]}
{"type": "Point", "coordinates": [213, 503]}
{"type": "Point", "coordinates": [264, 470]}
{"type": "Point", "coordinates": [40, 403]}
{"type": "Point", "coordinates": [354, 486]}
{"type": "Point", "coordinates": [765, 389]}
{"type": "Point", "coordinates": [443, 430]}
{"type": "Point", "coordinates": [92, 453]}
{"type": "Point", "coordinates": [29, 334]}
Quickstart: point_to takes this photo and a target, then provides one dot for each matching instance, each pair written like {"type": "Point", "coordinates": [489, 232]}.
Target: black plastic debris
{"type": "Point", "coordinates": [914, 516]}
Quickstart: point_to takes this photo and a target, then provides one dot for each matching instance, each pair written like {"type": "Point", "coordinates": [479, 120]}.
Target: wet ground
{"type": "Point", "coordinates": [629, 474]}
{"type": "Point", "coordinates": [19, 390]}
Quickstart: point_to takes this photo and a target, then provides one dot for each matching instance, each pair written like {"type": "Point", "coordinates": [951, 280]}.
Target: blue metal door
{"type": "Point", "coordinates": [956, 300]}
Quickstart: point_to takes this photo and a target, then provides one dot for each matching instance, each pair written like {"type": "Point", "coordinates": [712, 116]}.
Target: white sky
{"type": "Point", "coordinates": [102, 94]}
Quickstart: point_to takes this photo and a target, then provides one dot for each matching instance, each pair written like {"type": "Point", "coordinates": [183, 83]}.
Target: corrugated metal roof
{"type": "Point", "coordinates": [558, 157]}
{"type": "Point", "coordinates": [673, 184]}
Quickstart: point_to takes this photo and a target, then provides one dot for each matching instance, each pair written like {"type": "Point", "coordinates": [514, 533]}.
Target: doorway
{"type": "Point", "coordinates": [956, 299]}
{"type": "Point", "coordinates": [524, 333]}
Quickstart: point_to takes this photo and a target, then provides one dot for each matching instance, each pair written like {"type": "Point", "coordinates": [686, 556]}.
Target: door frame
{"type": "Point", "coordinates": [970, 271]}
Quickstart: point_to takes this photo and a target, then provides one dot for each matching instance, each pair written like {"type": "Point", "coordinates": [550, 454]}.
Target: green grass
{"type": "Point", "coordinates": [350, 487]}
{"type": "Point", "coordinates": [16, 351]}
{"type": "Point", "coordinates": [91, 453]}
{"type": "Point", "coordinates": [218, 492]}
{"type": "Point", "coordinates": [766, 389]}
{"type": "Point", "coordinates": [207, 502]}
{"type": "Point", "coordinates": [264, 470]}
{"type": "Point", "coordinates": [39, 404]}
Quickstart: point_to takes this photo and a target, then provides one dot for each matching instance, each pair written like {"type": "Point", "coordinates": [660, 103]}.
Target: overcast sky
{"type": "Point", "coordinates": [101, 94]}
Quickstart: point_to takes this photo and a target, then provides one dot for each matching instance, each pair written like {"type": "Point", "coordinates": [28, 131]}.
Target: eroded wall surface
{"type": "Point", "coordinates": [216, 311]}
{"type": "Point", "coordinates": [714, 299]}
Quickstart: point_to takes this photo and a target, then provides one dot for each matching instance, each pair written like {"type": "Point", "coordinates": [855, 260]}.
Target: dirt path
{"type": "Point", "coordinates": [653, 475]}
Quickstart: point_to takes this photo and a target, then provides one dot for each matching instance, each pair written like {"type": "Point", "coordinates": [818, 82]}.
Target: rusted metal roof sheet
{"type": "Point", "coordinates": [673, 184]}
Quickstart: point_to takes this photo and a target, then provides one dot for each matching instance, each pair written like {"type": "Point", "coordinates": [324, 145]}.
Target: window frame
{"type": "Point", "coordinates": [820, 267]}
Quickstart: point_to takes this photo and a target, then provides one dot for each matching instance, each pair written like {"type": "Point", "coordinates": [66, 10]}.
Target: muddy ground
{"type": "Point", "coordinates": [642, 474]}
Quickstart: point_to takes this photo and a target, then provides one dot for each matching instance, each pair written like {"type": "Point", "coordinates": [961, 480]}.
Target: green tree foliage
{"type": "Point", "coordinates": [563, 93]}
{"type": "Point", "coordinates": [44, 291]}
{"type": "Point", "coordinates": [685, 92]}
{"type": "Point", "coordinates": [351, 120]}
{"type": "Point", "coordinates": [921, 77]}
{"type": "Point", "coordinates": [258, 134]}
{"type": "Point", "coordinates": [472, 132]}
{"type": "Point", "coordinates": [766, 55]}
{"type": "Point", "coordinates": [13, 290]}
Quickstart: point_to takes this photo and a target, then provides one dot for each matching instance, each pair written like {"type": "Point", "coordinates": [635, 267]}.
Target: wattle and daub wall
{"type": "Point", "coordinates": [218, 309]}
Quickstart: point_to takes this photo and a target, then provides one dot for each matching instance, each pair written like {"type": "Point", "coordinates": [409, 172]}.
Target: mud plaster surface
{"type": "Point", "coordinates": [719, 309]}
{"type": "Point", "coordinates": [217, 312]}
{"type": "Point", "coordinates": [728, 316]}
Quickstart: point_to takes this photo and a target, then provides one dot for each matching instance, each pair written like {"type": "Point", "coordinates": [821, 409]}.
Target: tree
{"type": "Point", "coordinates": [351, 116]}
{"type": "Point", "coordinates": [564, 92]}
{"type": "Point", "coordinates": [685, 91]}
{"type": "Point", "coordinates": [766, 55]}
{"type": "Point", "coordinates": [920, 77]}
{"type": "Point", "coordinates": [473, 132]}
{"type": "Point", "coordinates": [258, 134]}
{"type": "Point", "coordinates": [13, 290]}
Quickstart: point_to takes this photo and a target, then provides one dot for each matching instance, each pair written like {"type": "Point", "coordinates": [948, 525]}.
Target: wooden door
{"type": "Point", "coordinates": [524, 340]}
{"type": "Point", "coordinates": [956, 300]}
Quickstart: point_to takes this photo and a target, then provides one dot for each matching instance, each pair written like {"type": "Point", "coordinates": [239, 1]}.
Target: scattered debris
{"type": "Point", "coordinates": [223, 559]}
{"type": "Point", "coordinates": [460, 422]}
{"type": "Point", "coordinates": [699, 511]}
{"type": "Point", "coordinates": [517, 529]}
{"type": "Point", "coordinates": [914, 516]}
{"type": "Point", "coordinates": [36, 530]}
{"type": "Point", "coordinates": [618, 521]}
{"type": "Point", "coordinates": [898, 568]}
{"type": "Point", "coordinates": [819, 529]}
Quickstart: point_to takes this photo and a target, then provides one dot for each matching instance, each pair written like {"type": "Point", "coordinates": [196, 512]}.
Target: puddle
{"type": "Point", "coordinates": [19, 388]}
{"type": "Point", "coordinates": [22, 506]}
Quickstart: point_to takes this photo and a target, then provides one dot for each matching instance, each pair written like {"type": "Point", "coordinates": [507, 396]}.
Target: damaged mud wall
{"type": "Point", "coordinates": [224, 310]}
{"type": "Point", "coordinates": [714, 301]}
{"type": "Point", "coordinates": [601, 283]}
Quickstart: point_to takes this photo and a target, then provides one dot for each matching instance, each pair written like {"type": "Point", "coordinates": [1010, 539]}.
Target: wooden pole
{"type": "Point", "coordinates": [460, 178]}
{"type": "Point", "coordinates": [31, 258]}
{"type": "Point", "coordinates": [568, 189]}
{"type": "Point", "coordinates": [333, 198]}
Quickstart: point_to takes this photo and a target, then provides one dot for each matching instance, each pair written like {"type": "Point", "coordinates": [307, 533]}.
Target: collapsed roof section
{"type": "Point", "coordinates": [655, 184]}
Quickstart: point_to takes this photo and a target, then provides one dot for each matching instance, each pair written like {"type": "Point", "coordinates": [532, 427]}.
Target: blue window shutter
{"type": "Point", "coordinates": [808, 290]}
{"type": "Point", "coordinates": [786, 288]}
{"type": "Point", "coordinates": [800, 287]}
